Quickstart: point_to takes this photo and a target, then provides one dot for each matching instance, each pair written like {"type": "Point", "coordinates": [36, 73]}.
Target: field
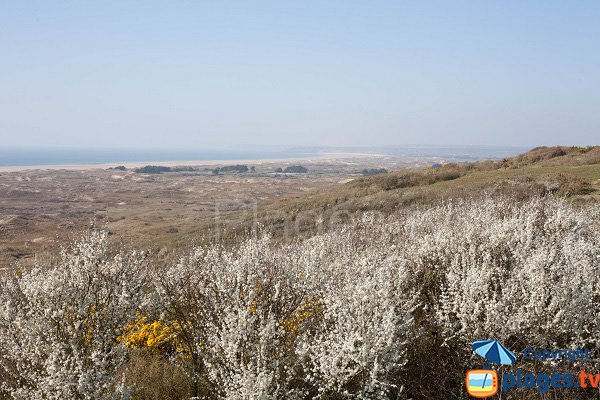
{"type": "Point", "coordinates": [575, 175]}
{"type": "Point", "coordinates": [360, 287]}
{"type": "Point", "coordinates": [42, 209]}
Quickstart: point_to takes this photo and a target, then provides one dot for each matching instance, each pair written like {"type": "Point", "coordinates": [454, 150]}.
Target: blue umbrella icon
{"type": "Point", "coordinates": [494, 351]}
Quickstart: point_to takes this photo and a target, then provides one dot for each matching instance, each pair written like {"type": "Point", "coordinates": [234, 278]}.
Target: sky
{"type": "Point", "coordinates": [199, 74]}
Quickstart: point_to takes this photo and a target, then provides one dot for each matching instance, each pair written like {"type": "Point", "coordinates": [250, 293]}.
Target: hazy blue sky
{"type": "Point", "coordinates": [209, 74]}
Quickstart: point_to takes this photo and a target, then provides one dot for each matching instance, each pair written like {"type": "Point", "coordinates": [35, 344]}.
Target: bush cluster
{"type": "Point", "coordinates": [382, 309]}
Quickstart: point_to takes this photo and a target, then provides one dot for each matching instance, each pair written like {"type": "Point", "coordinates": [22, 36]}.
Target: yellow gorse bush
{"type": "Point", "coordinates": [294, 324]}
{"type": "Point", "coordinates": [153, 335]}
{"type": "Point", "coordinates": [88, 326]}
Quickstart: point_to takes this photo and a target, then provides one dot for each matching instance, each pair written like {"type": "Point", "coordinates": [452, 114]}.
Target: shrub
{"type": "Point", "coordinates": [373, 171]}
{"type": "Point", "coordinates": [230, 168]}
{"type": "Point", "coordinates": [359, 346]}
{"type": "Point", "coordinates": [235, 308]}
{"type": "Point", "coordinates": [59, 324]}
{"type": "Point", "coordinates": [295, 169]}
{"type": "Point", "coordinates": [152, 169]}
{"type": "Point", "coordinates": [517, 270]}
{"type": "Point", "coordinates": [370, 310]}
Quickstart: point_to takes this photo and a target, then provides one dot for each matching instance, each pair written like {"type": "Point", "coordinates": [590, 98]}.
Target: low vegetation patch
{"type": "Point", "coordinates": [230, 168]}
{"type": "Point", "coordinates": [383, 308]}
{"type": "Point", "coordinates": [295, 169]}
{"type": "Point", "coordinates": [373, 171]}
{"type": "Point", "coordinates": [152, 169]}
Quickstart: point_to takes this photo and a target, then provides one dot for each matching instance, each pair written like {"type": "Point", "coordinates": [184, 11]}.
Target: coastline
{"type": "Point", "coordinates": [199, 163]}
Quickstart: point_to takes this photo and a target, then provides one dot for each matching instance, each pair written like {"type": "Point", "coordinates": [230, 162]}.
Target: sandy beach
{"type": "Point", "coordinates": [199, 163]}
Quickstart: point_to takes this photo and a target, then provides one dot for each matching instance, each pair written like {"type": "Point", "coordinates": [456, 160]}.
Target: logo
{"type": "Point", "coordinates": [494, 351]}
{"type": "Point", "coordinates": [482, 383]}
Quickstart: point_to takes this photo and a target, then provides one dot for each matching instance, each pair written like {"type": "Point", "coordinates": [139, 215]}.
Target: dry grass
{"type": "Point", "coordinates": [570, 172]}
{"type": "Point", "coordinates": [40, 210]}
{"type": "Point", "coordinates": [152, 377]}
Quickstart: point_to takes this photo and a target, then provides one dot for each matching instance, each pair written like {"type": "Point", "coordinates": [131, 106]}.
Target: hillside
{"type": "Point", "coordinates": [378, 306]}
{"type": "Point", "coordinates": [573, 172]}
{"type": "Point", "coordinates": [167, 213]}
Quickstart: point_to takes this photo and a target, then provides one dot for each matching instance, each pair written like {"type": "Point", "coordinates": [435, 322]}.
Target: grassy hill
{"type": "Point", "coordinates": [573, 172]}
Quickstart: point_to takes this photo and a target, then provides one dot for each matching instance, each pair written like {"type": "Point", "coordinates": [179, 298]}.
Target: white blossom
{"type": "Point", "coordinates": [59, 324]}
{"type": "Point", "coordinates": [333, 315]}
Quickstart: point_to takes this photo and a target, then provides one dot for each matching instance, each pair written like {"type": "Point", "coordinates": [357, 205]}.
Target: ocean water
{"type": "Point", "coordinates": [64, 156]}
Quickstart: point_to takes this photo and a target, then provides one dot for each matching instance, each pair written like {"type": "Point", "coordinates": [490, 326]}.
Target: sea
{"type": "Point", "coordinates": [70, 156]}
{"type": "Point", "coordinates": [65, 156]}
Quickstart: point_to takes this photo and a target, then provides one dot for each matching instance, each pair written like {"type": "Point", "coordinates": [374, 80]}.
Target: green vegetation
{"type": "Point", "coordinates": [152, 169]}
{"type": "Point", "coordinates": [230, 168]}
{"type": "Point", "coordinates": [158, 169]}
{"type": "Point", "coordinates": [565, 171]}
{"type": "Point", "coordinates": [374, 171]}
{"type": "Point", "coordinates": [295, 169]}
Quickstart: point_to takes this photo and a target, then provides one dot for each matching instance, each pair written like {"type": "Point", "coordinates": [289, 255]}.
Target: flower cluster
{"type": "Point", "coordinates": [336, 315]}
{"type": "Point", "coordinates": [156, 335]}
{"type": "Point", "coordinates": [58, 325]}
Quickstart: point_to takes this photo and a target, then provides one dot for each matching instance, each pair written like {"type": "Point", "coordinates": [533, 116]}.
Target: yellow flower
{"type": "Point", "coordinates": [294, 323]}
{"type": "Point", "coordinates": [155, 335]}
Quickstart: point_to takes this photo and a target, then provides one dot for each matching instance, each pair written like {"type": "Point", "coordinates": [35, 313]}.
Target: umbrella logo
{"type": "Point", "coordinates": [494, 351]}
{"type": "Point", "coordinates": [482, 383]}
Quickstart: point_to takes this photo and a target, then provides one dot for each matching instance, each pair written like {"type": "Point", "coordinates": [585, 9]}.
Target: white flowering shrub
{"type": "Point", "coordinates": [526, 271]}
{"type": "Point", "coordinates": [366, 294]}
{"type": "Point", "coordinates": [319, 317]}
{"type": "Point", "coordinates": [59, 324]}
{"type": "Point", "coordinates": [238, 309]}
{"type": "Point", "coordinates": [380, 309]}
